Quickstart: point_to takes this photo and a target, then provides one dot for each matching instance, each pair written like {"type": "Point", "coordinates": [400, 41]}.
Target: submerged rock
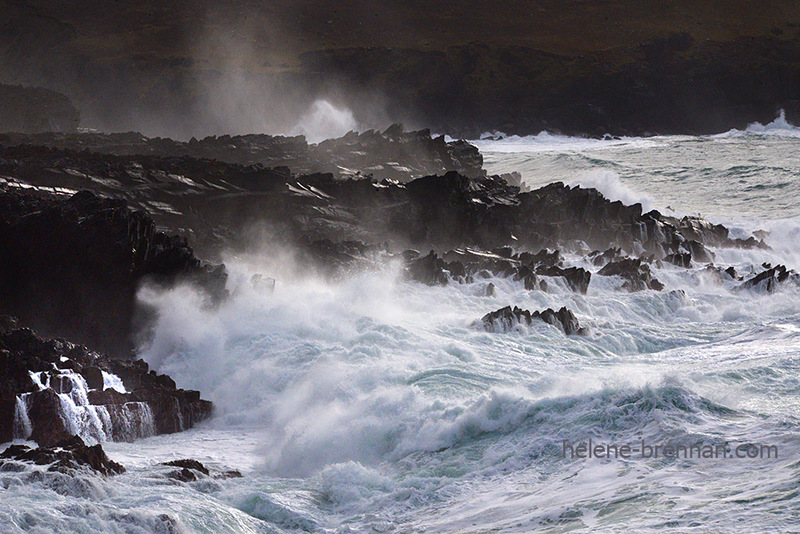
{"type": "Point", "coordinates": [191, 471]}
{"type": "Point", "coordinates": [505, 319]}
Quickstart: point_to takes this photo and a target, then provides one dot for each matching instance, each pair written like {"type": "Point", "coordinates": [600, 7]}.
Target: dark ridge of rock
{"type": "Point", "coordinates": [33, 109]}
{"type": "Point", "coordinates": [225, 206]}
{"type": "Point", "coordinates": [636, 274]}
{"type": "Point", "coordinates": [67, 455]}
{"type": "Point", "coordinates": [151, 405]}
{"type": "Point", "coordinates": [668, 84]}
{"type": "Point", "coordinates": [771, 279]}
{"type": "Point", "coordinates": [577, 278]}
{"type": "Point", "coordinates": [71, 267]}
{"type": "Point", "coordinates": [390, 155]}
{"type": "Point", "coordinates": [505, 319]}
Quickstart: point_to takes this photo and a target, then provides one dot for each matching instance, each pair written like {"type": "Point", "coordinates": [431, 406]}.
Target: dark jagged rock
{"type": "Point", "coordinates": [71, 267]}
{"type": "Point", "coordinates": [188, 463]}
{"type": "Point", "coordinates": [66, 455]}
{"type": "Point", "coordinates": [771, 279]}
{"type": "Point", "coordinates": [543, 258]}
{"type": "Point", "coordinates": [192, 471]}
{"type": "Point", "coordinates": [698, 251]}
{"type": "Point", "coordinates": [636, 274]}
{"type": "Point", "coordinates": [506, 319]}
{"type": "Point", "coordinates": [577, 278]}
{"type": "Point", "coordinates": [390, 155]}
{"type": "Point", "coordinates": [222, 204]}
{"type": "Point", "coordinates": [32, 408]}
{"type": "Point", "coordinates": [530, 280]}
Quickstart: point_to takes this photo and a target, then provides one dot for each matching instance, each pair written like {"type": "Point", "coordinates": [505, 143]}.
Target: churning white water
{"type": "Point", "coordinates": [374, 405]}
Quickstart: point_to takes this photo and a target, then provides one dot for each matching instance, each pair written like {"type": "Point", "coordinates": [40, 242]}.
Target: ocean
{"type": "Point", "coordinates": [373, 404]}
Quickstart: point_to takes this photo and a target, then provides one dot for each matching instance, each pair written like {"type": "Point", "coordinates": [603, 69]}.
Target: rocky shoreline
{"type": "Point", "coordinates": [54, 389]}
{"type": "Point", "coordinates": [87, 220]}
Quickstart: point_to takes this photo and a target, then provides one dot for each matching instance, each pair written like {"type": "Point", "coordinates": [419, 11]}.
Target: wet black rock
{"type": "Point", "coordinates": [188, 463]}
{"type": "Point", "coordinates": [191, 471]}
{"type": "Point", "coordinates": [68, 455]}
{"type": "Point", "coordinates": [576, 278]}
{"type": "Point", "coordinates": [636, 274]}
{"type": "Point", "coordinates": [771, 279]}
{"type": "Point", "coordinates": [32, 409]}
{"type": "Point", "coordinates": [433, 270]}
{"type": "Point", "coordinates": [226, 205]}
{"type": "Point", "coordinates": [506, 319]}
{"type": "Point", "coordinates": [530, 280]}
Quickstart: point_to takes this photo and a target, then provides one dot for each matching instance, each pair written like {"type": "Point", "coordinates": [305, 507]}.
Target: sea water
{"type": "Point", "coordinates": [372, 404]}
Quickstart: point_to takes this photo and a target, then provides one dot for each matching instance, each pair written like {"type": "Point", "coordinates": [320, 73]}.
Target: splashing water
{"type": "Point", "coordinates": [325, 121]}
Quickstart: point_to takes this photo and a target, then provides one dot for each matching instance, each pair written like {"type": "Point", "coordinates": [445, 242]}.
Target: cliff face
{"type": "Point", "coordinates": [71, 267]}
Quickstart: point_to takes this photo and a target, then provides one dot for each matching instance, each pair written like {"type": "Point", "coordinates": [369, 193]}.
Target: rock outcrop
{"type": "Point", "coordinates": [635, 273]}
{"type": "Point", "coordinates": [771, 279]}
{"type": "Point", "coordinates": [51, 390]}
{"type": "Point", "coordinates": [71, 267]}
{"type": "Point", "coordinates": [66, 456]}
{"type": "Point", "coordinates": [393, 154]}
{"type": "Point", "coordinates": [224, 205]}
{"type": "Point", "coordinates": [506, 319]}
